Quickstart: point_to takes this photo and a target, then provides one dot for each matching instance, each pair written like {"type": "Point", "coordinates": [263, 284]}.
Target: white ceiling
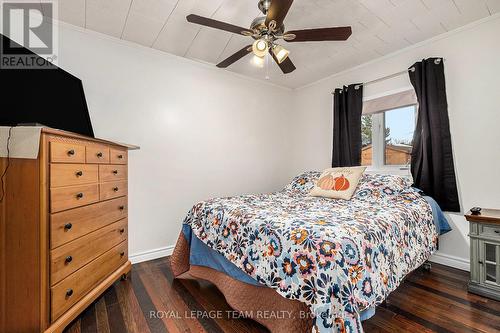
{"type": "Point", "coordinates": [379, 27]}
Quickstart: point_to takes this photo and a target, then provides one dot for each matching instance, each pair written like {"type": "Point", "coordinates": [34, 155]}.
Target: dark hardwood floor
{"type": "Point", "coordinates": [435, 301]}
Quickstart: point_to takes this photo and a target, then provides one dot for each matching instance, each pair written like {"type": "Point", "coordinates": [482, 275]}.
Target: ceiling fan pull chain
{"type": "Point", "coordinates": [267, 67]}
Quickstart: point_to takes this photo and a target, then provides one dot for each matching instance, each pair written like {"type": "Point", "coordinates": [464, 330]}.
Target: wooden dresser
{"type": "Point", "coordinates": [63, 230]}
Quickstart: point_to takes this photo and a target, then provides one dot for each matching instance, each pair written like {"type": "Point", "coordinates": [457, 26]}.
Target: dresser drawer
{"type": "Point", "coordinates": [112, 190]}
{"type": "Point", "coordinates": [489, 230]}
{"type": "Point", "coordinates": [71, 224]}
{"type": "Point", "coordinates": [73, 174]}
{"type": "Point", "coordinates": [118, 156]}
{"type": "Point", "coordinates": [61, 152]}
{"type": "Point", "coordinates": [68, 258]}
{"type": "Point", "coordinates": [63, 198]}
{"type": "Point", "coordinates": [74, 287]}
{"type": "Point", "coordinates": [97, 154]}
{"type": "Point", "coordinates": [109, 173]}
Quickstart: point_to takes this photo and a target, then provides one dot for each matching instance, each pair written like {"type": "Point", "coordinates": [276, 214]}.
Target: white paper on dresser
{"type": "Point", "coordinates": [24, 141]}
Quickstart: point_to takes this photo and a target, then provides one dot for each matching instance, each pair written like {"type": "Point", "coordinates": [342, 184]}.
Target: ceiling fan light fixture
{"type": "Point", "coordinates": [280, 53]}
{"type": "Point", "coordinates": [260, 47]}
{"type": "Point", "coordinates": [258, 61]}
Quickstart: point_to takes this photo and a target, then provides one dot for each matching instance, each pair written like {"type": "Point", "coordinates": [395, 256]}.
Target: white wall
{"type": "Point", "coordinates": [472, 69]}
{"type": "Point", "coordinates": [203, 132]}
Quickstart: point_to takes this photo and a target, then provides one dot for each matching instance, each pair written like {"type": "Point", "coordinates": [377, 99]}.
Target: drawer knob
{"type": "Point", "coordinates": [122, 230]}
{"type": "Point", "coordinates": [69, 259]}
{"type": "Point", "coordinates": [115, 189]}
{"type": "Point", "coordinates": [497, 231]}
{"type": "Point", "coordinates": [121, 207]}
{"type": "Point", "coordinates": [79, 195]}
{"type": "Point", "coordinates": [115, 172]}
{"type": "Point", "coordinates": [99, 154]}
{"type": "Point", "coordinates": [122, 254]}
{"type": "Point", "coordinates": [79, 173]}
{"type": "Point", "coordinates": [120, 156]}
{"type": "Point", "coordinates": [71, 152]}
{"type": "Point", "coordinates": [69, 292]}
{"type": "Point", "coordinates": [68, 226]}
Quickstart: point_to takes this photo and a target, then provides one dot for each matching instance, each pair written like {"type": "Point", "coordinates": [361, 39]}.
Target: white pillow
{"type": "Point", "coordinates": [338, 183]}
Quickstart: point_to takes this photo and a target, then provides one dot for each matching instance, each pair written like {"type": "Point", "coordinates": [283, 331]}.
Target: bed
{"type": "Point", "coordinates": [318, 264]}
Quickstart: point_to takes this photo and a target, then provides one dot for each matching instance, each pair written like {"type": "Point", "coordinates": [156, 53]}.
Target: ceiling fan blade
{"type": "Point", "coordinates": [235, 57]}
{"type": "Point", "coordinates": [277, 11]}
{"type": "Point", "coordinates": [217, 24]}
{"type": "Point", "coordinates": [286, 65]}
{"type": "Point", "coordinates": [321, 34]}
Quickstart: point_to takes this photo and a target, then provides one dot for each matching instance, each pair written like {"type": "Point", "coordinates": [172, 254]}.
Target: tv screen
{"type": "Point", "coordinates": [50, 96]}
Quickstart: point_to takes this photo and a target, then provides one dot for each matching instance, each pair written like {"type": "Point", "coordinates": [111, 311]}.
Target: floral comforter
{"type": "Point", "coordinates": [337, 256]}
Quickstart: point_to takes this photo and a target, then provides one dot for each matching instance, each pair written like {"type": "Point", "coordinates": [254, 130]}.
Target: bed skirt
{"type": "Point", "coordinates": [251, 300]}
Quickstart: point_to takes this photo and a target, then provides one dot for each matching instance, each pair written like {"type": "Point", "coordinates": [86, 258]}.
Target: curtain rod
{"type": "Point", "coordinates": [390, 76]}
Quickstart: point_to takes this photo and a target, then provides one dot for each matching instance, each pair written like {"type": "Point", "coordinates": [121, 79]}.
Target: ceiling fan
{"type": "Point", "coordinates": [267, 30]}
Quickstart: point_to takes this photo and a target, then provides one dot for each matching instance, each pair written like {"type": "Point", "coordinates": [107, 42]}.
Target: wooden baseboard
{"type": "Point", "coordinates": [60, 324]}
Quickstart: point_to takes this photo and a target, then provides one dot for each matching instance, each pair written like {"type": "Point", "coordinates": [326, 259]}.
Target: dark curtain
{"type": "Point", "coordinates": [347, 107]}
{"type": "Point", "coordinates": [432, 165]}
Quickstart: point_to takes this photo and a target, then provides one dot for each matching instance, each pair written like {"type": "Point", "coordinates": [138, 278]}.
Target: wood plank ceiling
{"type": "Point", "coordinates": [379, 27]}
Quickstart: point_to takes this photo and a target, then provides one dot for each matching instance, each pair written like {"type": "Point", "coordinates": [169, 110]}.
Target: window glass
{"type": "Point", "coordinates": [366, 140]}
{"type": "Point", "coordinates": [491, 273]}
{"type": "Point", "coordinates": [490, 251]}
{"type": "Point", "coordinates": [399, 128]}
{"type": "Point", "coordinates": [387, 138]}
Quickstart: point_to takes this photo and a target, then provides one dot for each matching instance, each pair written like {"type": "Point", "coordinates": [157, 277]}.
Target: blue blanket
{"type": "Point", "coordinates": [440, 220]}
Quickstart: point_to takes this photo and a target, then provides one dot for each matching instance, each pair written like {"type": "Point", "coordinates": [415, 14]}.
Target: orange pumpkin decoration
{"type": "Point", "coordinates": [341, 183]}
{"type": "Point", "coordinates": [326, 182]}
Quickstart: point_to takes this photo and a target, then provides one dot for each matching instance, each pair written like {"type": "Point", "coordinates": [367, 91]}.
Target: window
{"type": "Point", "coordinates": [387, 138]}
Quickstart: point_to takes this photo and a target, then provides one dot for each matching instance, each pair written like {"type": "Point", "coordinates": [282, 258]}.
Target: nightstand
{"type": "Point", "coordinates": [485, 253]}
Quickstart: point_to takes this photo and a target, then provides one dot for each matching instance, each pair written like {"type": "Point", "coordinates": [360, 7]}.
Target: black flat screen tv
{"type": "Point", "coordinates": [50, 96]}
